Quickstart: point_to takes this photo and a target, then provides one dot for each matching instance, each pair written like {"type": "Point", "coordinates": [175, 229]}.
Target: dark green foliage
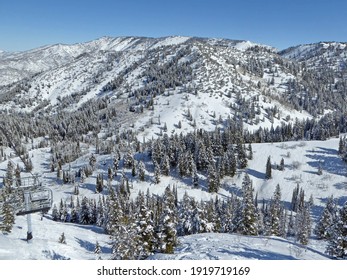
{"type": "Point", "coordinates": [62, 238]}
{"type": "Point", "coordinates": [268, 172]}
{"type": "Point", "coordinates": [99, 183]}
{"type": "Point", "coordinates": [213, 181]}
{"type": "Point", "coordinates": [7, 217]}
{"type": "Point", "coordinates": [337, 246]}
{"type": "Point", "coordinates": [247, 221]}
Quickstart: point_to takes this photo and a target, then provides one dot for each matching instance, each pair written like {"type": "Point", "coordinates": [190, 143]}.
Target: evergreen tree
{"type": "Point", "coordinates": [276, 213]}
{"type": "Point", "coordinates": [281, 167]}
{"type": "Point", "coordinates": [125, 243]}
{"type": "Point", "coordinates": [326, 220]}
{"type": "Point", "coordinates": [291, 225]}
{"type": "Point", "coordinates": [295, 198]}
{"type": "Point", "coordinates": [268, 169]}
{"type": "Point", "coordinates": [99, 183]}
{"type": "Point", "coordinates": [97, 250]}
{"type": "Point", "coordinates": [156, 173]}
{"type": "Point", "coordinates": [165, 165]}
{"type": "Point", "coordinates": [168, 224]}
{"type": "Point", "coordinates": [141, 170]}
{"type": "Point", "coordinates": [213, 182]}
{"type": "Point", "coordinates": [247, 223]}
{"type": "Point", "coordinates": [133, 170]}
{"type": "Point", "coordinates": [303, 225]}
{"type": "Point", "coordinates": [145, 230]}
{"type": "Point", "coordinates": [85, 217]}
{"type": "Point", "coordinates": [250, 151]}
{"type": "Point", "coordinates": [9, 174]}
{"type": "Point", "coordinates": [17, 176]}
{"type": "Point", "coordinates": [195, 177]}
{"type": "Point", "coordinates": [62, 239]}
{"type": "Point", "coordinates": [241, 155]}
{"type": "Point", "coordinates": [55, 213]}
{"type": "Point", "coordinates": [115, 165]}
{"type": "Point", "coordinates": [92, 161]}
{"type": "Point", "coordinates": [185, 216]}
{"type": "Point", "coordinates": [128, 159]}
{"type": "Point", "coordinates": [337, 246]}
{"type": "Point", "coordinates": [323, 226]}
{"type": "Point", "coordinates": [7, 217]}
{"type": "Point", "coordinates": [182, 164]}
{"type": "Point", "coordinates": [342, 147]}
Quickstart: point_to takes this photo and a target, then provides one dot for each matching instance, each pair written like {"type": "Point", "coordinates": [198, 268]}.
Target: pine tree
{"type": "Point", "coordinates": [268, 169]}
{"type": "Point", "coordinates": [182, 164]}
{"type": "Point", "coordinates": [303, 225]}
{"type": "Point", "coordinates": [99, 183]}
{"type": "Point", "coordinates": [92, 161]}
{"type": "Point", "coordinates": [85, 211]}
{"type": "Point", "coordinates": [7, 217]}
{"type": "Point", "coordinates": [295, 198]}
{"type": "Point", "coordinates": [168, 223]}
{"type": "Point", "coordinates": [17, 175]}
{"type": "Point", "coordinates": [185, 215]}
{"type": "Point", "coordinates": [320, 169]}
{"type": "Point", "coordinates": [241, 155]}
{"type": "Point", "coordinates": [324, 224]}
{"type": "Point", "coordinates": [276, 212]}
{"type": "Point", "coordinates": [165, 165]}
{"type": "Point", "coordinates": [133, 170]}
{"type": "Point", "coordinates": [62, 239]}
{"type": "Point", "coordinates": [281, 167]}
{"type": "Point", "coordinates": [195, 177]}
{"type": "Point", "coordinates": [128, 159]}
{"type": "Point", "coordinates": [55, 213]}
{"type": "Point", "coordinates": [156, 173]}
{"type": "Point", "coordinates": [326, 220]}
{"type": "Point", "coordinates": [115, 165]}
{"type": "Point", "coordinates": [337, 246]}
{"type": "Point", "coordinates": [145, 230]}
{"type": "Point", "coordinates": [342, 147]}
{"type": "Point", "coordinates": [250, 151]}
{"type": "Point", "coordinates": [291, 225]}
{"type": "Point", "coordinates": [247, 223]}
{"type": "Point", "coordinates": [125, 243]}
{"type": "Point", "coordinates": [141, 169]}
{"type": "Point", "coordinates": [97, 250]}
{"type": "Point", "coordinates": [9, 174]}
{"type": "Point", "coordinates": [213, 182]}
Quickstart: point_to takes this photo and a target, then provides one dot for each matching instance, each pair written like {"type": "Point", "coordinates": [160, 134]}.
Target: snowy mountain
{"type": "Point", "coordinates": [134, 131]}
{"type": "Point", "coordinates": [234, 76]}
{"type": "Point", "coordinates": [331, 54]}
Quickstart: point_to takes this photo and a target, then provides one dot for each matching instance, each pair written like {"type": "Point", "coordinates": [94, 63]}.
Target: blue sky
{"type": "Point", "coordinates": [29, 24]}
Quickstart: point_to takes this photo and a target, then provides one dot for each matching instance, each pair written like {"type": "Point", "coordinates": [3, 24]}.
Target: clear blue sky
{"type": "Point", "coordinates": [26, 24]}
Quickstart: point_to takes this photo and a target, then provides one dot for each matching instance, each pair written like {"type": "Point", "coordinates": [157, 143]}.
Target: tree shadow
{"type": "Point", "coordinates": [328, 160]}
{"type": "Point", "coordinates": [89, 246]}
{"type": "Point", "coordinates": [258, 255]}
{"type": "Point", "coordinates": [341, 185]}
{"type": "Point", "coordinates": [256, 173]}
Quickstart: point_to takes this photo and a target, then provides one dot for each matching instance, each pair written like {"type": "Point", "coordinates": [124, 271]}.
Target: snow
{"type": "Point", "coordinates": [172, 40]}
{"type": "Point", "coordinates": [222, 246]}
{"type": "Point", "coordinates": [82, 239]}
{"type": "Point", "coordinates": [76, 71]}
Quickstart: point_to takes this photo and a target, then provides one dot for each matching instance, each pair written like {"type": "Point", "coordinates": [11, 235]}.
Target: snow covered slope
{"type": "Point", "coordinates": [209, 246]}
{"type": "Point", "coordinates": [301, 163]}
{"type": "Point", "coordinates": [214, 78]}
{"type": "Point", "coordinates": [61, 104]}
{"type": "Point", "coordinates": [324, 54]}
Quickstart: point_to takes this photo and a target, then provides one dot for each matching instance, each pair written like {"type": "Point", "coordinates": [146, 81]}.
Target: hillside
{"type": "Point", "coordinates": [81, 239]}
{"type": "Point", "coordinates": [144, 138]}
